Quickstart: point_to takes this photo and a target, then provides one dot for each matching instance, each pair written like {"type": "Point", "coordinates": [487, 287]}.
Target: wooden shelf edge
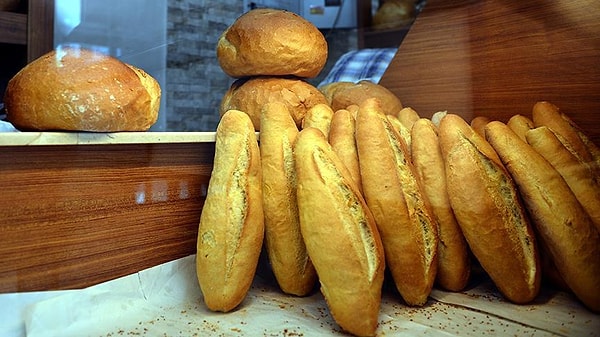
{"type": "Point", "coordinates": [13, 28]}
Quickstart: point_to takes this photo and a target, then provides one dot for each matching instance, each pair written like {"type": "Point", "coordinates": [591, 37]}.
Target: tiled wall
{"type": "Point", "coordinates": [195, 82]}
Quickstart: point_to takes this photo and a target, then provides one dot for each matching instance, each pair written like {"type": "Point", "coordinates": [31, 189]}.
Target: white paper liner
{"type": "Point", "coordinates": [166, 301]}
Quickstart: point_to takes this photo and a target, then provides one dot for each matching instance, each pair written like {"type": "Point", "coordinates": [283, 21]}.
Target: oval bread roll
{"type": "Point", "coordinates": [454, 266]}
{"type": "Point", "coordinates": [396, 198]}
{"type": "Point", "coordinates": [489, 211]}
{"type": "Point", "coordinates": [75, 89]}
{"type": "Point", "coordinates": [340, 234]}
{"type": "Point", "coordinates": [342, 94]}
{"type": "Point", "coordinates": [231, 229]}
{"type": "Point", "coordinates": [285, 246]}
{"type": "Point", "coordinates": [251, 94]}
{"type": "Point", "coordinates": [561, 222]}
{"type": "Point", "coordinates": [272, 42]}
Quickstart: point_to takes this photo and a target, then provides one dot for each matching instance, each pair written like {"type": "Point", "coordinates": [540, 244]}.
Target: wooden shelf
{"type": "Point", "coordinates": [13, 28]}
{"type": "Point", "coordinates": [35, 29]}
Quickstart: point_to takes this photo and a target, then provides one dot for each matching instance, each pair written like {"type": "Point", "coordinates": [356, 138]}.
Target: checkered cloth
{"type": "Point", "coordinates": [363, 64]}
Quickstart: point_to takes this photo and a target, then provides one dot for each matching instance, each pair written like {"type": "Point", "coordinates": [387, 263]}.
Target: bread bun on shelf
{"type": "Point", "coordinates": [75, 89]}
{"type": "Point", "coordinates": [342, 94]}
{"type": "Point", "coordinates": [251, 94]}
{"type": "Point", "coordinates": [272, 42]}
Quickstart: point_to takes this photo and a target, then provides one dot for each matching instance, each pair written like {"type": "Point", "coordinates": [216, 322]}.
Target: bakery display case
{"type": "Point", "coordinates": [98, 231]}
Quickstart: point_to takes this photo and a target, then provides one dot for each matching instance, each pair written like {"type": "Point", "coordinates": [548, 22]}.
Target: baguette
{"type": "Point", "coordinates": [343, 142]}
{"type": "Point", "coordinates": [408, 116]}
{"type": "Point", "coordinates": [284, 244]}
{"type": "Point", "coordinates": [340, 234]}
{"type": "Point", "coordinates": [395, 196]}
{"type": "Point", "coordinates": [579, 176]}
{"type": "Point", "coordinates": [453, 254]}
{"type": "Point", "coordinates": [561, 222]}
{"type": "Point", "coordinates": [231, 228]}
{"type": "Point", "coordinates": [548, 114]}
{"type": "Point", "coordinates": [318, 116]}
{"type": "Point", "coordinates": [520, 124]}
{"type": "Point", "coordinates": [478, 123]}
{"type": "Point", "coordinates": [591, 147]}
{"type": "Point", "coordinates": [489, 211]}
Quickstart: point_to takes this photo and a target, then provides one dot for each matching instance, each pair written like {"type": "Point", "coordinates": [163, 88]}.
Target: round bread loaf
{"type": "Point", "coordinates": [342, 94]}
{"type": "Point", "coordinates": [74, 89]}
{"type": "Point", "coordinates": [272, 42]}
{"type": "Point", "coordinates": [251, 94]}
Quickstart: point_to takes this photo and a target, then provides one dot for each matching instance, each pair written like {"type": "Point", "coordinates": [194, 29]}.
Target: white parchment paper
{"type": "Point", "coordinates": [166, 301]}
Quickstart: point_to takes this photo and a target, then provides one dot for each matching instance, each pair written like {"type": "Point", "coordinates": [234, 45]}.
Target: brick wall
{"type": "Point", "coordinates": [195, 82]}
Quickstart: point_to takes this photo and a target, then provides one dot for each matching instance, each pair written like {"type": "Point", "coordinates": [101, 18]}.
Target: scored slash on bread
{"type": "Point", "coordinates": [231, 228]}
{"type": "Point", "coordinates": [454, 267]}
{"type": "Point", "coordinates": [394, 195]}
{"type": "Point", "coordinates": [561, 222]}
{"type": "Point", "coordinates": [489, 210]}
{"type": "Point", "coordinates": [285, 246]}
{"type": "Point", "coordinates": [340, 234]}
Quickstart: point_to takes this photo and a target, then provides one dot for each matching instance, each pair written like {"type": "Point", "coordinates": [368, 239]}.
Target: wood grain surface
{"type": "Point", "coordinates": [497, 58]}
{"type": "Point", "coordinates": [77, 215]}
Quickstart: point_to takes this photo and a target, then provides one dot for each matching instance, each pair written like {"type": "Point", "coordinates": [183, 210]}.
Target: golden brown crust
{"type": "Point", "coordinates": [578, 175]}
{"type": "Point", "coordinates": [548, 114]}
{"type": "Point", "coordinates": [342, 94]}
{"type": "Point", "coordinates": [284, 244]}
{"type": "Point", "coordinates": [249, 95]}
{"type": "Point", "coordinates": [520, 124]}
{"type": "Point", "coordinates": [343, 142]}
{"type": "Point", "coordinates": [318, 116]}
{"type": "Point", "coordinates": [272, 42]}
{"type": "Point", "coordinates": [560, 220]}
{"type": "Point", "coordinates": [340, 235]}
{"type": "Point", "coordinates": [231, 229]}
{"type": "Point", "coordinates": [82, 90]}
{"type": "Point", "coordinates": [453, 255]}
{"type": "Point", "coordinates": [478, 123]}
{"type": "Point", "coordinates": [408, 116]}
{"type": "Point", "coordinates": [489, 211]}
{"type": "Point", "coordinates": [395, 196]}
{"type": "Point", "coordinates": [402, 130]}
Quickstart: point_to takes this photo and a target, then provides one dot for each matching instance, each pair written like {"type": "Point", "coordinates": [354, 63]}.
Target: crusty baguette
{"type": "Point", "coordinates": [401, 210]}
{"type": "Point", "coordinates": [548, 114]}
{"type": "Point", "coordinates": [489, 211]}
{"type": "Point", "coordinates": [340, 234]}
{"type": "Point", "coordinates": [318, 116]}
{"type": "Point", "coordinates": [402, 130]}
{"type": "Point", "coordinates": [580, 176]}
{"type": "Point", "coordinates": [560, 220]}
{"type": "Point", "coordinates": [454, 266]}
{"type": "Point", "coordinates": [408, 116]}
{"type": "Point", "coordinates": [592, 148]}
{"type": "Point", "coordinates": [284, 244]}
{"type": "Point", "coordinates": [231, 229]}
{"type": "Point", "coordinates": [343, 142]}
{"type": "Point", "coordinates": [520, 125]}
{"type": "Point", "coordinates": [478, 123]}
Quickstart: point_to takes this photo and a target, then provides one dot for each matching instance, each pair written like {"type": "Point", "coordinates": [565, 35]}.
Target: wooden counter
{"type": "Point", "coordinates": [497, 58]}
{"type": "Point", "coordinates": [78, 209]}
